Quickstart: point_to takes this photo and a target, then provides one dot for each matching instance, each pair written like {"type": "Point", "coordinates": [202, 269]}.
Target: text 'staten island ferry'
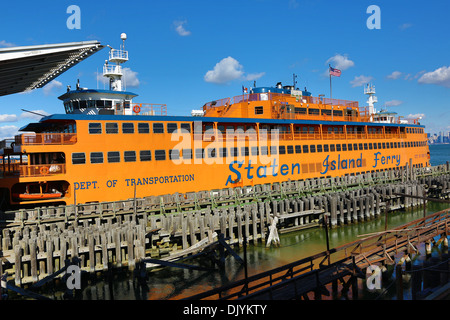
{"type": "Point", "coordinates": [107, 147]}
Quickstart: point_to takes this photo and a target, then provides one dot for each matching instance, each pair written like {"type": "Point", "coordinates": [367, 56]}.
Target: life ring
{"type": "Point", "coordinates": [136, 109]}
{"type": "Point", "coordinates": [44, 170]}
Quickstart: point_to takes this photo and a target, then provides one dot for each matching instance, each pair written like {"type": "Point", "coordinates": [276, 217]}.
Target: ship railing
{"type": "Point", "coordinates": [39, 170]}
{"type": "Point", "coordinates": [45, 138]}
{"type": "Point", "coordinates": [264, 96]}
{"type": "Point", "coordinates": [144, 109]}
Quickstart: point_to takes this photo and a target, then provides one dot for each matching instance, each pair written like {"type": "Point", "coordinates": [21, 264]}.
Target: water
{"type": "Point", "coordinates": [439, 153]}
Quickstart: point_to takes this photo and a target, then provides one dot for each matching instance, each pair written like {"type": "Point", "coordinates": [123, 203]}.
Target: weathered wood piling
{"type": "Point", "coordinates": [36, 242]}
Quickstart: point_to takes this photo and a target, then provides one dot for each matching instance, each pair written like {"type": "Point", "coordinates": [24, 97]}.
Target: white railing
{"type": "Point", "coordinates": [118, 54]}
{"type": "Point", "coordinates": [112, 69]}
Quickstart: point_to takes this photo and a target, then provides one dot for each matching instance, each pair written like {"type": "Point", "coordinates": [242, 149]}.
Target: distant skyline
{"type": "Point", "coordinates": [185, 53]}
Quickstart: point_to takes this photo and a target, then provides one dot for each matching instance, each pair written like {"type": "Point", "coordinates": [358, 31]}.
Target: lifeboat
{"type": "Point", "coordinates": [37, 196]}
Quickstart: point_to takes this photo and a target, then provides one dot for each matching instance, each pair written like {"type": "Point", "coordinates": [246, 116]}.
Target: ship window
{"type": "Point", "coordinates": [113, 156]}
{"type": "Point", "coordinates": [314, 111]}
{"type": "Point", "coordinates": [337, 113]}
{"type": "Point", "coordinates": [91, 103]}
{"type": "Point", "coordinates": [305, 149]}
{"type": "Point", "coordinates": [332, 147]}
{"type": "Point", "coordinates": [259, 110]}
{"type": "Point", "coordinates": [96, 157]}
{"type": "Point", "coordinates": [264, 150]}
{"type": "Point", "coordinates": [199, 153]}
{"type": "Point", "coordinates": [223, 152]}
{"type": "Point", "coordinates": [344, 147]}
{"type": "Point", "coordinates": [145, 155]}
{"type": "Point", "coordinates": [174, 154]}
{"type": "Point", "coordinates": [82, 104]}
{"type": "Point", "coordinates": [143, 127]}
{"type": "Point", "coordinates": [75, 104]}
{"type": "Point", "coordinates": [384, 145]}
{"type": "Point", "coordinates": [326, 112]}
{"type": "Point", "coordinates": [273, 150]}
{"type": "Point", "coordinates": [111, 127]}
{"type": "Point", "coordinates": [234, 152]}
{"type": "Point", "coordinates": [244, 151]}
{"type": "Point", "coordinates": [379, 145]}
{"type": "Point", "coordinates": [282, 149]}
{"type": "Point", "coordinates": [392, 145]}
{"type": "Point", "coordinates": [338, 147]}
{"type": "Point", "coordinates": [127, 127]}
{"type": "Point", "coordinates": [375, 146]}
{"type": "Point", "coordinates": [158, 128]}
{"type": "Point", "coordinates": [78, 158]}
{"type": "Point", "coordinates": [312, 148]}
{"type": "Point", "coordinates": [211, 152]}
{"type": "Point", "coordinates": [187, 153]}
{"type": "Point", "coordinates": [371, 147]}
{"type": "Point", "coordinates": [326, 148]}
{"type": "Point", "coordinates": [172, 127]}
{"type": "Point", "coordinates": [255, 151]}
{"type": "Point", "coordinates": [290, 149]}
{"type": "Point", "coordinates": [300, 110]}
{"type": "Point", "coordinates": [100, 103]}
{"type": "Point", "coordinates": [95, 128]}
{"type": "Point", "coordinates": [360, 146]}
{"type": "Point", "coordinates": [160, 155]}
{"type": "Point", "coordinates": [365, 146]}
{"type": "Point", "coordinates": [298, 149]}
{"type": "Point", "coordinates": [186, 126]}
{"type": "Point", "coordinates": [108, 103]}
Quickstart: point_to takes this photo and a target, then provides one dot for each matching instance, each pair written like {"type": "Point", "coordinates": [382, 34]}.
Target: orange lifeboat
{"type": "Point", "coordinates": [37, 196]}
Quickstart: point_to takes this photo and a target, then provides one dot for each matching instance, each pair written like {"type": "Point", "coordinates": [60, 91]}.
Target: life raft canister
{"type": "Point", "coordinates": [44, 170]}
{"type": "Point", "coordinates": [136, 109]}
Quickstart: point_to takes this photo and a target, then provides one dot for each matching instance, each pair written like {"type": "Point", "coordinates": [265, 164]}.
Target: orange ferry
{"type": "Point", "coordinates": [107, 147]}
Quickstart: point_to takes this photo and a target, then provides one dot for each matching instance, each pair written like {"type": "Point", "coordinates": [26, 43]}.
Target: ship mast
{"type": "Point", "coordinates": [114, 71]}
{"type": "Point", "coordinates": [369, 89]}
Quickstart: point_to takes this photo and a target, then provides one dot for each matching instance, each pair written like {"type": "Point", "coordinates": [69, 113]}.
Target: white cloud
{"type": "Point", "coordinates": [415, 116]}
{"type": "Point", "coordinates": [440, 76]}
{"type": "Point", "coordinates": [393, 103]}
{"type": "Point", "coordinates": [3, 43]}
{"type": "Point", "coordinates": [254, 76]}
{"type": "Point", "coordinates": [130, 78]}
{"type": "Point", "coordinates": [8, 118]}
{"type": "Point", "coordinates": [360, 80]}
{"type": "Point", "coordinates": [179, 28]}
{"type": "Point", "coordinates": [405, 26]}
{"type": "Point", "coordinates": [229, 69]}
{"type": "Point", "coordinates": [7, 132]}
{"type": "Point", "coordinates": [54, 84]}
{"type": "Point", "coordinates": [341, 62]}
{"type": "Point", "coordinates": [394, 75]}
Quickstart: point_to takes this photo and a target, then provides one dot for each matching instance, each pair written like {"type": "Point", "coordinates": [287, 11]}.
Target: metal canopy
{"type": "Point", "coordinates": [26, 68]}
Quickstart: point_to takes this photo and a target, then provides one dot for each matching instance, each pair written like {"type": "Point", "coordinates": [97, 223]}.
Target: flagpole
{"type": "Point", "coordinates": [331, 93]}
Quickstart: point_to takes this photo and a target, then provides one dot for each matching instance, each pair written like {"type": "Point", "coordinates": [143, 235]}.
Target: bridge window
{"type": "Point", "coordinates": [113, 156]}
{"type": "Point", "coordinates": [95, 128]}
{"type": "Point", "coordinates": [78, 158]}
{"type": "Point", "coordinates": [96, 157]}
{"type": "Point", "coordinates": [145, 155]}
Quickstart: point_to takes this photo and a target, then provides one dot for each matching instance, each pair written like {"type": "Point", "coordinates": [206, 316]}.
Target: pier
{"type": "Point", "coordinates": [37, 243]}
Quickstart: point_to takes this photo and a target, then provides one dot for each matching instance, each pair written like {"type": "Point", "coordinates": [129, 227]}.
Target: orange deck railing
{"type": "Point", "coordinates": [25, 170]}
{"type": "Point", "coordinates": [45, 138]}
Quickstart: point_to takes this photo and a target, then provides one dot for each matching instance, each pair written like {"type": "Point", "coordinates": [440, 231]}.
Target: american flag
{"type": "Point", "coordinates": [335, 72]}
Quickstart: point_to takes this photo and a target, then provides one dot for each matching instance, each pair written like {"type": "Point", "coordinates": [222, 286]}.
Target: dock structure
{"type": "Point", "coordinates": [311, 277]}
{"type": "Point", "coordinates": [36, 243]}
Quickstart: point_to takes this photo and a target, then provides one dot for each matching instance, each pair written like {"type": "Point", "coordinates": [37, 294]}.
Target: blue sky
{"type": "Point", "coordinates": [185, 53]}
